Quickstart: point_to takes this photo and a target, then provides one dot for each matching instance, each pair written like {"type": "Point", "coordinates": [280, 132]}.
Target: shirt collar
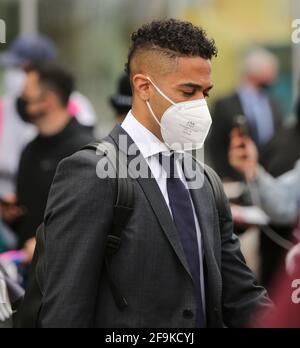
{"type": "Point", "coordinates": [147, 142]}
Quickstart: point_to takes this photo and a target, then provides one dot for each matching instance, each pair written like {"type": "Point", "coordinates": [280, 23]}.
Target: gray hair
{"type": "Point", "coordinates": [257, 60]}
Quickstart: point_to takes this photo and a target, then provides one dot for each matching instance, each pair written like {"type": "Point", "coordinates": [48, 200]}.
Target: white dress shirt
{"type": "Point", "coordinates": [150, 146]}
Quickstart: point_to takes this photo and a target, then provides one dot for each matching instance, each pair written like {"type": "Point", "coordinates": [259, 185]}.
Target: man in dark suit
{"type": "Point", "coordinates": [178, 265]}
{"type": "Point", "coordinates": [262, 113]}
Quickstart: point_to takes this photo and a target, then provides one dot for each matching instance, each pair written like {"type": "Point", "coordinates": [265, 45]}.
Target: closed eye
{"type": "Point", "coordinates": [189, 94]}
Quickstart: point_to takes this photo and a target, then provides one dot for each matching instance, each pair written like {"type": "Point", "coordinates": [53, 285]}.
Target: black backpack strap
{"type": "Point", "coordinates": [27, 315]}
{"type": "Point", "coordinates": [218, 191]}
{"type": "Point", "coordinates": [28, 310]}
{"type": "Point", "coordinates": [123, 208]}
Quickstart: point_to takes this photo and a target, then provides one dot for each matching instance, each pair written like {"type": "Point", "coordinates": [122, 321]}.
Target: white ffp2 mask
{"type": "Point", "coordinates": [184, 126]}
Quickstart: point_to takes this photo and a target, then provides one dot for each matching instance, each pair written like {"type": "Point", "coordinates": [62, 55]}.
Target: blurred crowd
{"type": "Point", "coordinates": [43, 119]}
{"type": "Point", "coordinates": [250, 145]}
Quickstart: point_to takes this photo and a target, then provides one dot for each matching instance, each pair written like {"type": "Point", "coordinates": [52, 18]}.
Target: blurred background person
{"type": "Point", "coordinates": [263, 114]}
{"type": "Point", "coordinates": [262, 118]}
{"type": "Point", "coordinates": [14, 133]}
{"type": "Point", "coordinates": [34, 49]}
{"type": "Point", "coordinates": [279, 197]}
{"type": "Point", "coordinates": [121, 102]}
{"type": "Point", "coordinates": [283, 151]}
{"type": "Point", "coordinates": [281, 155]}
{"type": "Point", "coordinates": [44, 103]}
{"type": "Point", "coordinates": [25, 51]}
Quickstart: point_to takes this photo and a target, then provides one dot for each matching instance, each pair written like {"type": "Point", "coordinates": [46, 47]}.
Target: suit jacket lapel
{"type": "Point", "coordinates": [207, 218]}
{"type": "Point", "coordinates": [161, 210]}
{"type": "Point", "coordinates": [155, 198]}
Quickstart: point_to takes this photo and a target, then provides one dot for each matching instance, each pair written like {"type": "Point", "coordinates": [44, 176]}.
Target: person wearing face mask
{"type": "Point", "coordinates": [280, 199]}
{"type": "Point", "coordinates": [251, 99]}
{"type": "Point", "coordinates": [279, 157]}
{"type": "Point", "coordinates": [25, 51]}
{"type": "Point", "coordinates": [168, 270]}
{"type": "Point", "coordinates": [14, 133]}
{"type": "Point", "coordinates": [44, 103]}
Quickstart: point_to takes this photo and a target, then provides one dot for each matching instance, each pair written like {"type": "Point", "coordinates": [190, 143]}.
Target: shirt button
{"type": "Point", "coordinates": [188, 314]}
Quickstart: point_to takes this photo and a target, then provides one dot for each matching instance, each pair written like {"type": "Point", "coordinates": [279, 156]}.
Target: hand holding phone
{"type": "Point", "coordinates": [240, 123]}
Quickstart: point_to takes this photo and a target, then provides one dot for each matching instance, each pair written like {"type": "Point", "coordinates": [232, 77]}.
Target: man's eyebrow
{"type": "Point", "coordinates": [195, 86]}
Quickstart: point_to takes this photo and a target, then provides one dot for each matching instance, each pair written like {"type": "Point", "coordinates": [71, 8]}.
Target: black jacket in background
{"type": "Point", "coordinates": [283, 151]}
{"type": "Point", "coordinates": [224, 113]}
{"type": "Point", "coordinates": [280, 156]}
{"type": "Point", "coordinates": [36, 172]}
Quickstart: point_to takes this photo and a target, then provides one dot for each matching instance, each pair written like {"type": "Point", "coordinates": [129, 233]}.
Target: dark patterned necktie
{"type": "Point", "coordinates": [183, 216]}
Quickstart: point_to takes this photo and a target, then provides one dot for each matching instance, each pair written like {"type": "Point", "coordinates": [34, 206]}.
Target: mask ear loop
{"type": "Point", "coordinates": [150, 107]}
{"type": "Point", "coordinates": [153, 114]}
{"type": "Point", "coordinates": [156, 119]}
{"type": "Point", "coordinates": [162, 93]}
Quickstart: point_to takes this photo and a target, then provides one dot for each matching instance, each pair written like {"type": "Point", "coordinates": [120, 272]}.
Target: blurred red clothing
{"type": "Point", "coordinates": [286, 296]}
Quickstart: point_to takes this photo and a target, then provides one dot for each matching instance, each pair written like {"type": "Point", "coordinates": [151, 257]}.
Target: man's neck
{"type": "Point", "coordinates": [53, 123]}
{"type": "Point", "coordinates": [147, 121]}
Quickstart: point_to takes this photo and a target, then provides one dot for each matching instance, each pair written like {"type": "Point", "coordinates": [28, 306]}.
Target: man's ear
{"type": "Point", "coordinates": [141, 86]}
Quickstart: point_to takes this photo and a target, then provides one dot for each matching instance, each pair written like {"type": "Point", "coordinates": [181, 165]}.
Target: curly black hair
{"type": "Point", "coordinates": [173, 37]}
